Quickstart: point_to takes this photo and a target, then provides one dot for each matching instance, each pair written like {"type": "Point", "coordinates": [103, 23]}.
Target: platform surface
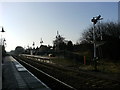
{"type": "Point", "coordinates": [17, 77]}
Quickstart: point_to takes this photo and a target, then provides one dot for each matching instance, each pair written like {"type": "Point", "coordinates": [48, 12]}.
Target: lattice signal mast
{"type": "Point", "coordinates": [41, 41]}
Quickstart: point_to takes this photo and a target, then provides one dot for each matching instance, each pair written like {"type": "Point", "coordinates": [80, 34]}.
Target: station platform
{"type": "Point", "coordinates": [17, 77]}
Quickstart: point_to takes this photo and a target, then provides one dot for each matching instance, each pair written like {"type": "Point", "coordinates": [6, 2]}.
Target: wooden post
{"type": "Point", "coordinates": [84, 60]}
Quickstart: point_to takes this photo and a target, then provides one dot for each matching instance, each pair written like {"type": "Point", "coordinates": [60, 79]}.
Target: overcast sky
{"type": "Point", "coordinates": [28, 22]}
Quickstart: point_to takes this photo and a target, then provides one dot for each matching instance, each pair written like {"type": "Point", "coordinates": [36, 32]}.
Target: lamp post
{"type": "Point", "coordinates": [95, 20]}
{"type": "Point", "coordinates": [4, 42]}
{"type": "Point", "coordinates": [1, 59]}
{"type": "Point", "coordinates": [1, 35]}
{"type": "Point", "coordinates": [33, 50]}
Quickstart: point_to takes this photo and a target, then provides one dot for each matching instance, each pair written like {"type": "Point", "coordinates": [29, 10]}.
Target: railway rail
{"type": "Point", "coordinates": [51, 81]}
{"type": "Point", "coordinates": [61, 78]}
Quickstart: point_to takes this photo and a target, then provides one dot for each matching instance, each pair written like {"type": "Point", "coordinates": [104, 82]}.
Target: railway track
{"type": "Point", "coordinates": [56, 77]}
{"type": "Point", "coordinates": [49, 80]}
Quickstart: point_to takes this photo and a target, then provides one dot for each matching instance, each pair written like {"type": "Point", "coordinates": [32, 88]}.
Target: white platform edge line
{"type": "Point", "coordinates": [33, 75]}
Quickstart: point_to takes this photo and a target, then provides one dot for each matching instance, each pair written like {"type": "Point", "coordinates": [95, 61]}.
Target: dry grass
{"type": "Point", "coordinates": [111, 67]}
{"type": "Point", "coordinates": [63, 61]}
{"type": "Point", "coordinates": [103, 65]}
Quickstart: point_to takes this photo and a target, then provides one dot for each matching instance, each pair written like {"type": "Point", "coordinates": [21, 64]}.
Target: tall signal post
{"type": "Point", "coordinates": [94, 20]}
{"type": "Point", "coordinates": [41, 41]}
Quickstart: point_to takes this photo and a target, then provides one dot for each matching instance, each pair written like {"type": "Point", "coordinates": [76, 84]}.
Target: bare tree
{"type": "Point", "coordinates": [108, 31]}
{"type": "Point", "coordinates": [59, 42]}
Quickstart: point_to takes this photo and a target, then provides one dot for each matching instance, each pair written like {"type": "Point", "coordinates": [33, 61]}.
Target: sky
{"type": "Point", "coordinates": [28, 22]}
{"type": "Point", "coordinates": [59, 0]}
